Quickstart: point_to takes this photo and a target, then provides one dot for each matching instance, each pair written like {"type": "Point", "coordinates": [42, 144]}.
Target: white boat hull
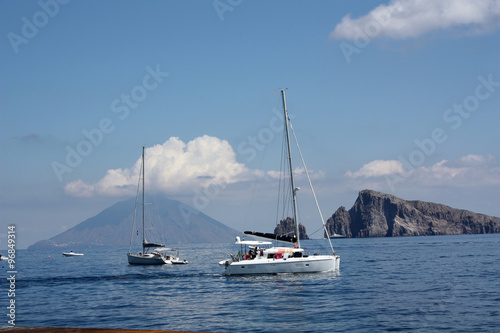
{"type": "Point", "coordinates": [311, 264]}
{"type": "Point", "coordinates": [179, 262]}
{"type": "Point", "coordinates": [145, 259]}
{"type": "Point", "coordinates": [72, 254]}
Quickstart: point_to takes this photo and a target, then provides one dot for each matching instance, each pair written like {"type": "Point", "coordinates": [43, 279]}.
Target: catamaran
{"type": "Point", "coordinates": [262, 257]}
{"type": "Point", "coordinates": [160, 255]}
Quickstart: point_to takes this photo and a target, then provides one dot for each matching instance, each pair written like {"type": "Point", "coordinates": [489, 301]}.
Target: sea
{"type": "Point", "coordinates": [409, 284]}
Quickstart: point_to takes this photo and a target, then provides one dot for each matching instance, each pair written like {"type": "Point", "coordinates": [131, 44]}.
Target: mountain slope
{"type": "Point", "coordinates": [376, 214]}
{"type": "Point", "coordinates": [168, 221]}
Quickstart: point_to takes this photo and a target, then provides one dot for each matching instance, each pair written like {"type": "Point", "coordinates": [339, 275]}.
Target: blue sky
{"type": "Point", "coordinates": [401, 97]}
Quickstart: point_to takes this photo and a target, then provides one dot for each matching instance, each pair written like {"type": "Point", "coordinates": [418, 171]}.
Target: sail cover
{"type": "Point", "coordinates": [147, 244]}
{"type": "Point", "coordinates": [289, 239]}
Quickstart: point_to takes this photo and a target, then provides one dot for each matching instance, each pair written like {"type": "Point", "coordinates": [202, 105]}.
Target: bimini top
{"type": "Point", "coordinates": [163, 249]}
{"type": "Point", "coordinates": [251, 242]}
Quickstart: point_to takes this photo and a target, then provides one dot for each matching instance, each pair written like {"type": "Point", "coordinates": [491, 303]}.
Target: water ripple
{"type": "Point", "coordinates": [418, 284]}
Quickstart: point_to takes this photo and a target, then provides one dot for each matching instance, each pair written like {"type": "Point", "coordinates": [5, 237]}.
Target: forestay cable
{"type": "Point", "coordinates": [312, 188]}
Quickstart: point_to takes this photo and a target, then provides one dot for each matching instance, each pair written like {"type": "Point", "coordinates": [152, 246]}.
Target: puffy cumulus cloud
{"type": "Point", "coordinates": [173, 167]}
{"type": "Point", "coordinates": [377, 168]}
{"type": "Point", "coordinates": [402, 19]}
{"type": "Point", "coordinates": [79, 188]}
{"type": "Point", "coordinates": [470, 170]}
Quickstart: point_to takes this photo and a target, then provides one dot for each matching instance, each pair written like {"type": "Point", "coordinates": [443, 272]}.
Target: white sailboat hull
{"type": "Point", "coordinates": [312, 264]}
{"type": "Point", "coordinates": [145, 259]}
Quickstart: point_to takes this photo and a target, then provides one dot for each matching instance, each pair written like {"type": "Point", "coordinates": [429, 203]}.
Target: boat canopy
{"type": "Point", "coordinates": [288, 239]}
{"type": "Point", "coordinates": [163, 249]}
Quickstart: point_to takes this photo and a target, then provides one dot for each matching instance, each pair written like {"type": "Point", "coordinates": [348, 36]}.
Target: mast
{"type": "Point", "coordinates": [143, 212]}
{"type": "Point", "coordinates": [294, 189]}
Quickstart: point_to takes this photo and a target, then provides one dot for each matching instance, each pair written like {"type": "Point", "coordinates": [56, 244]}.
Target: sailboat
{"type": "Point", "coordinates": [160, 255]}
{"type": "Point", "coordinates": [262, 257]}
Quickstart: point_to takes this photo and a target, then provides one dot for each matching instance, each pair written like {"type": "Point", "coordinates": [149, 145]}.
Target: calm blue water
{"type": "Point", "coordinates": [385, 284]}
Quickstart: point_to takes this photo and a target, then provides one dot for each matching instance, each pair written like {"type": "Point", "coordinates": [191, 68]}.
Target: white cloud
{"type": "Point", "coordinates": [172, 167]}
{"type": "Point", "coordinates": [470, 170]}
{"type": "Point", "coordinates": [79, 188]}
{"type": "Point", "coordinates": [377, 168]}
{"type": "Point", "coordinates": [402, 19]}
{"type": "Point", "coordinates": [298, 173]}
{"type": "Point", "coordinates": [274, 174]}
{"type": "Point", "coordinates": [474, 160]}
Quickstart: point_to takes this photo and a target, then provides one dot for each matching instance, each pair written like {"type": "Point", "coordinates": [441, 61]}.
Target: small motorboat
{"type": "Point", "coordinates": [72, 254]}
{"type": "Point", "coordinates": [3, 257]}
{"type": "Point", "coordinates": [179, 262]}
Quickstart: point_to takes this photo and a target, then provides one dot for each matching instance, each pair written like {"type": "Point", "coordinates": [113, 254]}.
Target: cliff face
{"type": "Point", "coordinates": [287, 227]}
{"type": "Point", "coordinates": [376, 214]}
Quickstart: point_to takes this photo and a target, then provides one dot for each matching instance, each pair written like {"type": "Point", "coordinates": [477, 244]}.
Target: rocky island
{"type": "Point", "coordinates": [286, 227]}
{"type": "Point", "coordinates": [376, 214]}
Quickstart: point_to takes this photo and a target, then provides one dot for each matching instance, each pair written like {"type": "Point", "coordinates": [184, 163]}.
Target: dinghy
{"type": "Point", "coordinates": [72, 254]}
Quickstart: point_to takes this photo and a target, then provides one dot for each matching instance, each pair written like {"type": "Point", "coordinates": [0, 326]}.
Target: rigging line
{"type": "Point", "coordinates": [299, 218]}
{"type": "Point", "coordinates": [152, 216]}
{"type": "Point", "coordinates": [245, 218]}
{"type": "Point", "coordinates": [135, 209]}
{"type": "Point", "coordinates": [312, 188]}
{"type": "Point", "coordinates": [156, 220]}
{"type": "Point", "coordinates": [254, 185]}
{"type": "Point", "coordinates": [287, 200]}
{"type": "Point", "coordinates": [155, 217]}
{"type": "Point", "coordinates": [321, 228]}
{"type": "Point", "coordinates": [281, 175]}
{"type": "Point", "coordinates": [287, 186]}
{"type": "Point", "coordinates": [288, 233]}
{"type": "Point", "coordinates": [277, 218]}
